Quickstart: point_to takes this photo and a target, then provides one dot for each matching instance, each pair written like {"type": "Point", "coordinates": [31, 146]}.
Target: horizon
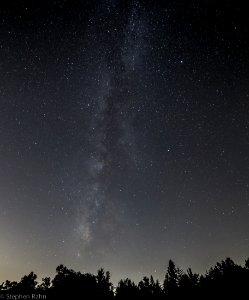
{"type": "Point", "coordinates": [136, 281]}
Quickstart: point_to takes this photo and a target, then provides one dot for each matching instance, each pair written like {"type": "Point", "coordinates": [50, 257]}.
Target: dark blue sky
{"type": "Point", "coordinates": [124, 138]}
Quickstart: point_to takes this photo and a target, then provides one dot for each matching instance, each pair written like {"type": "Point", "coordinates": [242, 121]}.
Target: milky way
{"type": "Point", "coordinates": [111, 138]}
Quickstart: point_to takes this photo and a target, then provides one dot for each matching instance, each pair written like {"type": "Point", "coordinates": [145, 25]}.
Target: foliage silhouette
{"type": "Point", "coordinates": [225, 280]}
{"type": "Point", "coordinates": [126, 289]}
{"type": "Point", "coordinates": [172, 280]}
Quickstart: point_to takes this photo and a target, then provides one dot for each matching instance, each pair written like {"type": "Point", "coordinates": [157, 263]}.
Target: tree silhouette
{"type": "Point", "coordinates": [68, 284]}
{"type": "Point", "coordinates": [126, 289]}
{"type": "Point", "coordinates": [155, 288]}
{"type": "Point", "coordinates": [172, 278]}
{"type": "Point", "coordinates": [145, 288]}
{"type": "Point", "coordinates": [225, 280]}
{"type": "Point", "coordinates": [45, 285]}
{"type": "Point", "coordinates": [9, 285]}
{"type": "Point", "coordinates": [27, 284]}
{"type": "Point", "coordinates": [105, 287]}
{"type": "Point", "coordinates": [189, 284]}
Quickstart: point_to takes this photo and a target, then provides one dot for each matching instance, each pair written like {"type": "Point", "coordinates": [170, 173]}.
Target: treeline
{"type": "Point", "coordinates": [225, 279]}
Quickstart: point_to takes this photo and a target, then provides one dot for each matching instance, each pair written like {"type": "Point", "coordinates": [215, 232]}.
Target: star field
{"type": "Point", "coordinates": [124, 135]}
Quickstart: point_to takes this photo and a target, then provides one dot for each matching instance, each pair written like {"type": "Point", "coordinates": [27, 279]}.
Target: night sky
{"type": "Point", "coordinates": [124, 136]}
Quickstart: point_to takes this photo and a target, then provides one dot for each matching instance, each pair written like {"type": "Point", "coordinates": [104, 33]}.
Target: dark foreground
{"type": "Point", "coordinates": [225, 280]}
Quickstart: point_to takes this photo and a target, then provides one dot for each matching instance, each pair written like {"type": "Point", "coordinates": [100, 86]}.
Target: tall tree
{"type": "Point", "coordinates": [172, 278]}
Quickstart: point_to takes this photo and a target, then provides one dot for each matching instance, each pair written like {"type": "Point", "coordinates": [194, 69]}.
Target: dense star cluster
{"type": "Point", "coordinates": [124, 135]}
